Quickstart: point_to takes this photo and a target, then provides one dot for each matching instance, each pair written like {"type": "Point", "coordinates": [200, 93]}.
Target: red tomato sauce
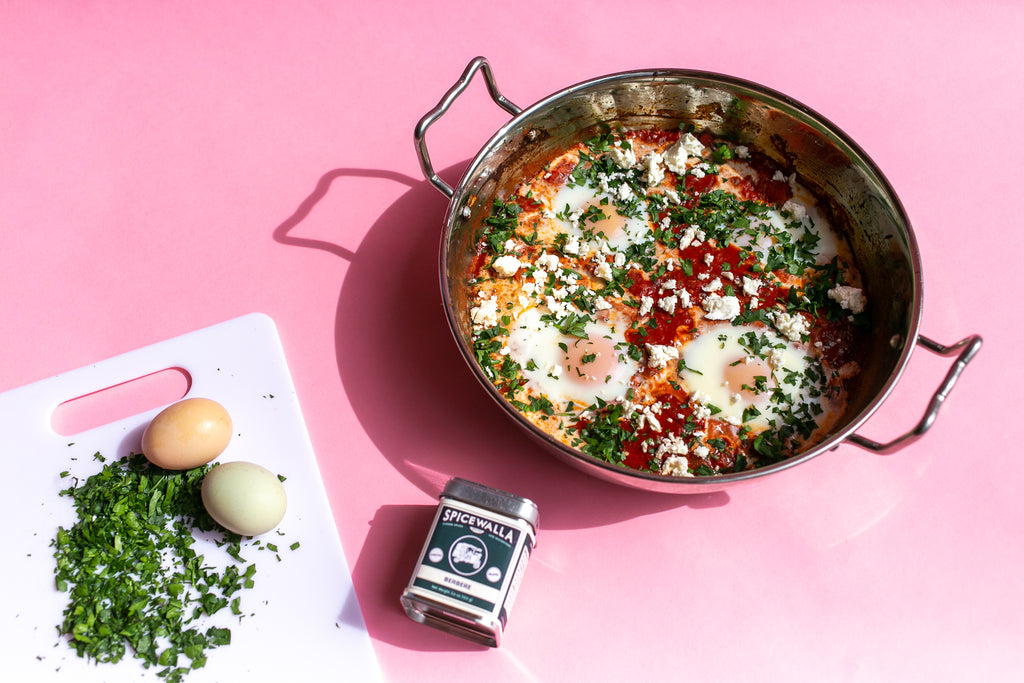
{"type": "Point", "coordinates": [655, 136]}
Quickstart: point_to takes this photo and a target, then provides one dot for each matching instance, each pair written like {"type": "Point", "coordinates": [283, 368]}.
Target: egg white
{"type": "Point", "coordinates": [551, 361]}
{"type": "Point", "coordinates": [616, 231]}
{"type": "Point", "coordinates": [787, 225]}
{"type": "Point", "coordinates": [719, 362]}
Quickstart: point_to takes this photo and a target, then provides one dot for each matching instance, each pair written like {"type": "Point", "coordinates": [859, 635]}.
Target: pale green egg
{"type": "Point", "coordinates": [244, 497]}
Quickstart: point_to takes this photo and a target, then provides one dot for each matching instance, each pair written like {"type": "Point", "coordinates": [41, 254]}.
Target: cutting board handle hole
{"type": "Point", "coordinates": [117, 402]}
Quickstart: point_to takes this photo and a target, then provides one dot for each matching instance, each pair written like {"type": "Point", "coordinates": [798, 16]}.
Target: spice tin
{"type": "Point", "coordinates": [472, 562]}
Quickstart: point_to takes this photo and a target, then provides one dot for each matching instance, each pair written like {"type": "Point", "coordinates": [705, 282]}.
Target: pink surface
{"type": "Point", "coordinates": [169, 167]}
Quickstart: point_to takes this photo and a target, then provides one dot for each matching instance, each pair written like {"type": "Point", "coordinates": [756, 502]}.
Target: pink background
{"type": "Point", "coordinates": [167, 166]}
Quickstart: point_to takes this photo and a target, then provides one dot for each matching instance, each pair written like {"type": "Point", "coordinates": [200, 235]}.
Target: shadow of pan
{"type": "Point", "coordinates": [411, 389]}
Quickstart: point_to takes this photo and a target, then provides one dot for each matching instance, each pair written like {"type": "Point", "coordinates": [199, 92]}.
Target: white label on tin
{"type": "Point", "coordinates": [458, 583]}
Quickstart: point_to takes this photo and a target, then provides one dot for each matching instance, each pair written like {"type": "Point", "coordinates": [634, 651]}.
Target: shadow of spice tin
{"type": "Point", "coordinates": [472, 562]}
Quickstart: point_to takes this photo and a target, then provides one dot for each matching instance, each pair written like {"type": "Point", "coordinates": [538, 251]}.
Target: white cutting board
{"type": "Point", "coordinates": [306, 622]}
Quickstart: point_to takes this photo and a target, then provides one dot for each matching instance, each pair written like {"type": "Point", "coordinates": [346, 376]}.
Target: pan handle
{"type": "Point", "coordinates": [966, 348]}
{"type": "Point", "coordinates": [478, 64]}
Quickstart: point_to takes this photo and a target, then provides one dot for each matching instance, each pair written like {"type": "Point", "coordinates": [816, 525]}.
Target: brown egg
{"type": "Point", "coordinates": [187, 434]}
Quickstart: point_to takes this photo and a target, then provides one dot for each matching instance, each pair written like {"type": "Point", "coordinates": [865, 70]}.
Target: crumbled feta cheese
{"type": "Point", "coordinates": [624, 193]}
{"type": "Point", "coordinates": [557, 306]}
{"type": "Point", "coordinates": [601, 304]}
{"type": "Point", "coordinates": [798, 210]}
{"type": "Point", "coordinates": [623, 158]}
{"type": "Point", "coordinates": [684, 298]}
{"type": "Point", "coordinates": [775, 359]}
{"type": "Point", "coordinates": [850, 298]}
{"type": "Point", "coordinates": [654, 173]}
{"type": "Point", "coordinates": [688, 236]}
{"type": "Point", "coordinates": [671, 445]}
{"type": "Point", "coordinates": [572, 246]}
{"type": "Point", "coordinates": [646, 304]}
{"type": "Point", "coordinates": [486, 314]}
{"type": "Point", "coordinates": [713, 286]}
{"type": "Point", "coordinates": [699, 404]}
{"type": "Point", "coordinates": [619, 259]}
{"type": "Point", "coordinates": [668, 304]}
{"type": "Point", "coordinates": [675, 157]}
{"type": "Point", "coordinates": [510, 245]}
{"type": "Point", "coordinates": [792, 325]}
{"type": "Point", "coordinates": [709, 259]}
{"type": "Point", "coordinates": [604, 271]}
{"type": "Point", "coordinates": [721, 307]}
{"type": "Point", "coordinates": [742, 151]}
{"type": "Point", "coordinates": [751, 285]}
{"type": "Point", "coordinates": [668, 285]}
{"type": "Point", "coordinates": [506, 266]}
{"type": "Point", "coordinates": [676, 466]}
{"type": "Point", "coordinates": [692, 145]}
{"type": "Point", "coordinates": [548, 262]}
{"type": "Point", "coordinates": [649, 416]}
{"type": "Point", "coordinates": [658, 355]}
{"type": "Point", "coordinates": [604, 183]}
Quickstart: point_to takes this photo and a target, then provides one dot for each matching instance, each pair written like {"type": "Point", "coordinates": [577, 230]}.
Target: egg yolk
{"type": "Point", "coordinates": [589, 361]}
{"type": "Point", "coordinates": [611, 225]}
{"type": "Point", "coordinates": [741, 378]}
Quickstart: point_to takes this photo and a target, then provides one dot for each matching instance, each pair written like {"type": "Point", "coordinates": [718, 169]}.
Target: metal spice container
{"type": "Point", "coordinates": [472, 562]}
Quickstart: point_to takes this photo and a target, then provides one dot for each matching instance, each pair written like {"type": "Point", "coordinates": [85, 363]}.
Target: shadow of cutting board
{"type": "Point", "coordinates": [301, 621]}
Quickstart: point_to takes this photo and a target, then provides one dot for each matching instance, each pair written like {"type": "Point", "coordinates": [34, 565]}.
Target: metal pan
{"type": "Point", "coordinates": [794, 136]}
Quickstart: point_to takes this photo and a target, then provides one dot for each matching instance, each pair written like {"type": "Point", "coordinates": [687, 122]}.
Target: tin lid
{"type": "Point", "coordinates": [493, 499]}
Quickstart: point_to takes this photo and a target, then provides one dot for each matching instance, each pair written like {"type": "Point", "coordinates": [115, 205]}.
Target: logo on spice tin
{"type": "Point", "coordinates": [467, 555]}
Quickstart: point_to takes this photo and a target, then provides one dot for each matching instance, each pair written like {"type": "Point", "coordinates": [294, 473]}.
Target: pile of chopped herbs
{"type": "Point", "coordinates": [134, 583]}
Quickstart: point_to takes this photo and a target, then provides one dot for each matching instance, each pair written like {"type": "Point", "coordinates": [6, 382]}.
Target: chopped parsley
{"type": "Point", "coordinates": [603, 436]}
{"type": "Point", "coordinates": [135, 584]}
